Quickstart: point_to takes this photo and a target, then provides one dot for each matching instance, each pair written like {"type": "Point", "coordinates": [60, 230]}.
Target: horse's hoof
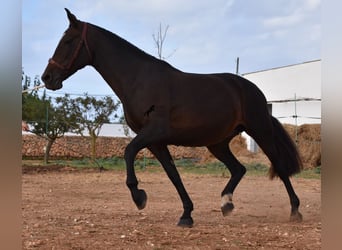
{"type": "Point", "coordinates": [227, 204]}
{"type": "Point", "coordinates": [186, 222]}
{"type": "Point", "coordinates": [140, 199]}
{"type": "Point", "coordinates": [296, 217]}
{"type": "Point", "coordinates": [227, 209]}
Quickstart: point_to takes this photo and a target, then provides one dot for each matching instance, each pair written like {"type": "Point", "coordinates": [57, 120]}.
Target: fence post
{"type": "Point", "coordinates": [296, 121]}
{"type": "Point", "coordinates": [47, 119]}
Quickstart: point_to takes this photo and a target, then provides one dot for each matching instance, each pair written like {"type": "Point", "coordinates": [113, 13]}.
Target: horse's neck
{"type": "Point", "coordinates": [117, 67]}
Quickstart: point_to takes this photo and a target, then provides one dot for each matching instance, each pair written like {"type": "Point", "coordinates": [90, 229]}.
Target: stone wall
{"type": "Point", "coordinates": [69, 147]}
{"type": "Point", "coordinates": [308, 142]}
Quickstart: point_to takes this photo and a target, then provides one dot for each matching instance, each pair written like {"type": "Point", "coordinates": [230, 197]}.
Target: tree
{"type": "Point", "coordinates": [159, 41]}
{"type": "Point", "coordinates": [30, 100]}
{"type": "Point", "coordinates": [90, 113]}
{"type": "Point", "coordinates": [48, 120]}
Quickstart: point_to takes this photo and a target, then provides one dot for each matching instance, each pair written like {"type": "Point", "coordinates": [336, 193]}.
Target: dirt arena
{"type": "Point", "coordinates": [69, 209]}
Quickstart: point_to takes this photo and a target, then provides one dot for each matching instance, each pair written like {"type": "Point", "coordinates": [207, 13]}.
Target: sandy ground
{"type": "Point", "coordinates": [68, 209]}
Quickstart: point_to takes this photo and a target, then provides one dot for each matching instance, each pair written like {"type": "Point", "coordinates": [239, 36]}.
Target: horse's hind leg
{"type": "Point", "coordinates": [163, 155]}
{"type": "Point", "coordinates": [267, 143]}
{"type": "Point", "coordinates": [222, 152]}
{"type": "Point", "coordinates": [294, 200]}
{"type": "Point", "coordinates": [278, 165]}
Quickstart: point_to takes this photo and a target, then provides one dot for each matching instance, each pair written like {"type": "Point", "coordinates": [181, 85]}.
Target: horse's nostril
{"type": "Point", "coordinates": [46, 77]}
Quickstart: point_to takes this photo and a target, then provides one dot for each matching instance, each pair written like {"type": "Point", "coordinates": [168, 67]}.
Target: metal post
{"type": "Point", "coordinates": [295, 116]}
{"type": "Point", "coordinates": [237, 65]}
{"type": "Point", "coordinates": [47, 119]}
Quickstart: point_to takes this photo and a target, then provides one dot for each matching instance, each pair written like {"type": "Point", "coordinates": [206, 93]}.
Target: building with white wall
{"type": "Point", "coordinates": [293, 92]}
{"type": "Point", "coordinates": [107, 129]}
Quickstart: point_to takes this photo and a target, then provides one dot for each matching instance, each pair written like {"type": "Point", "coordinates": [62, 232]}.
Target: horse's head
{"type": "Point", "coordinates": [72, 53]}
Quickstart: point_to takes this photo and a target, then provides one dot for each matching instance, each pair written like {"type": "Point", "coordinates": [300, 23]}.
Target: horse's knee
{"type": "Point", "coordinates": [243, 171]}
{"type": "Point", "coordinates": [238, 172]}
{"type": "Point", "coordinates": [129, 153]}
{"type": "Point", "coordinates": [132, 183]}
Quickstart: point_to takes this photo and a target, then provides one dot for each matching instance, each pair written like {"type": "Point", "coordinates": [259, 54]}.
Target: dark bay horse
{"type": "Point", "coordinates": [164, 106]}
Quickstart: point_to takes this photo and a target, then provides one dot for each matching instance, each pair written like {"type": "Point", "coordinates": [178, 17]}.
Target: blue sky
{"type": "Point", "coordinates": [205, 36]}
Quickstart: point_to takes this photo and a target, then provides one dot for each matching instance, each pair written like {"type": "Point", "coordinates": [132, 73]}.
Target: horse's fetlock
{"type": "Point", "coordinates": [226, 198]}
{"type": "Point", "coordinates": [189, 207]}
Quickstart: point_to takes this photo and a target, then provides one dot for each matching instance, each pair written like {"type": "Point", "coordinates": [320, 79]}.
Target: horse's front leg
{"type": "Point", "coordinates": [138, 195]}
{"type": "Point", "coordinates": [147, 136]}
{"type": "Point", "coordinates": [163, 155]}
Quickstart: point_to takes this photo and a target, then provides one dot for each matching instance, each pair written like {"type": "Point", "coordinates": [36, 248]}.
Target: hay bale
{"type": "Point", "coordinates": [309, 144]}
{"type": "Point", "coordinates": [308, 141]}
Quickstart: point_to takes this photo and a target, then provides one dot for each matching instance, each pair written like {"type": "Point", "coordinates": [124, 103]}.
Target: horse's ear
{"type": "Point", "coordinates": [72, 18]}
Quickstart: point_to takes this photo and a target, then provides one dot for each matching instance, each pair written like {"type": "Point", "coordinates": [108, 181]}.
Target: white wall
{"type": "Point", "coordinates": [108, 129]}
{"type": "Point", "coordinates": [111, 130]}
{"type": "Point", "coordinates": [284, 83]}
{"type": "Point", "coordinates": [300, 80]}
{"type": "Point", "coordinates": [115, 130]}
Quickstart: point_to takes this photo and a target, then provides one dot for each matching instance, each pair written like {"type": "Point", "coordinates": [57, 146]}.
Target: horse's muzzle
{"type": "Point", "coordinates": [52, 81]}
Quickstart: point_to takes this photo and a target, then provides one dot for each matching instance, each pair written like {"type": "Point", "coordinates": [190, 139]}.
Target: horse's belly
{"type": "Point", "coordinates": [200, 136]}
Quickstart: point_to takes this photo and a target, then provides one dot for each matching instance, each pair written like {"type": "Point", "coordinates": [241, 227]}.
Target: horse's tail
{"type": "Point", "coordinates": [289, 161]}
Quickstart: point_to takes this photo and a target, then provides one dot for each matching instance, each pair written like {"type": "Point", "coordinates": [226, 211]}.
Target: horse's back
{"type": "Point", "coordinates": [214, 91]}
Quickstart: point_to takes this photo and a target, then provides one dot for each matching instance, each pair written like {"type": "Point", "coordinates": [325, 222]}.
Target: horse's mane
{"type": "Point", "coordinates": [129, 46]}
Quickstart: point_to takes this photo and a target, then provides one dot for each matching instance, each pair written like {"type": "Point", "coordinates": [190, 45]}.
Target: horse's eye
{"type": "Point", "coordinates": [68, 41]}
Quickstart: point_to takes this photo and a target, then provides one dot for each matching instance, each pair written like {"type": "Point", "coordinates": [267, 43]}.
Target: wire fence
{"type": "Point", "coordinates": [295, 100]}
{"type": "Point", "coordinates": [296, 121]}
